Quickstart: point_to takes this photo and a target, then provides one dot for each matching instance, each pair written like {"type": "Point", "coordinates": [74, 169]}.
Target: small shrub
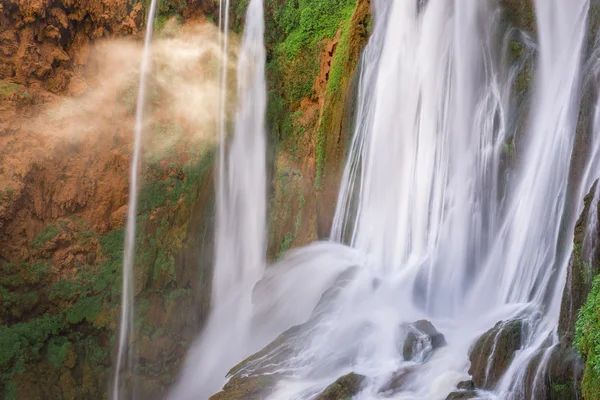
{"type": "Point", "coordinates": [86, 309]}
{"type": "Point", "coordinates": [587, 341]}
{"type": "Point", "coordinates": [57, 350]}
{"type": "Point", "coordinates": [48, 233]}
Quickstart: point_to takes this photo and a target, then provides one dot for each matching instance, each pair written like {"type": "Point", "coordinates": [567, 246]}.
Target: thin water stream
{"type": "Point", "coordinates": [127, 301]}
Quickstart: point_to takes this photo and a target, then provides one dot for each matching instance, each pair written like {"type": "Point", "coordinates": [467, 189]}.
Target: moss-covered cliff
{"type": "Point", "coordinates": [66, 118]}
{"type": "Point", "coordinates": [64, 183]}
{"type": "Point", "coordinates": [313, 51]}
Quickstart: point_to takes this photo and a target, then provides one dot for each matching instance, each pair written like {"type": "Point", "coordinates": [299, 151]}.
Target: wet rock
{"type": "Point", "coordinates": [327, 299]}
{"type": "Point", "coordinates": [343, 388]}
{"type": "Point", "coordinates": [247, 388]}
{"type": "Point", "coordinates": [558, 378]}
{"type": "Point", "coordinates": [471, 394]}
{"type": "Point", "coordinates": [398, 381]}
{"type": "Point", "coordinates": [581, 270]}
{"type": "Point", "coordinates": [521, 13]}
{"type": "Point", "coordinates": [466, 385]}
{"type": "Point", "coordinates": [493, 352]}
{"type": "Point", "coordinates": [421, 339]}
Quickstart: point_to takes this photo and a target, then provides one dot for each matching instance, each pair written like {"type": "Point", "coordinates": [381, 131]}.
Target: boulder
{"type": "Point", "coordinates": [247, 388]}
{"type": "Point", "coordinates": [493, 352]}
{"type": "Point", "coordinates": [343, 388]}
{"type": "Point", "coordinates": [471, 394]}
{"type": "Point", "coordinates": [398, 380]}
{"type": "Point", "coordinates": [465, 385]}
{"type": "Point", "coordinates": [421, 339]}
{"type": "Point", "coordinates": [560, 377]}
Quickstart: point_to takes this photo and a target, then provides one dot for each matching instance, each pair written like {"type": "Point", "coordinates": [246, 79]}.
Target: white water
{"type": "Point", "coordinates": [126, 322]}
{"type": "Point", "coordinates": [241, 219]}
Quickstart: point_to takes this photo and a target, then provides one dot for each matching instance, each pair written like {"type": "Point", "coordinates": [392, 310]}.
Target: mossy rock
{"type": "Point", "coordinates": [247, 388]}
{"type": "Point", "coordinates": [344, 388]}
{"type": "Point", "coordinates": [470, 394]}
{"type": "Point", "coordinates": [521, 13]}
{"type": "Point", "coordinates": [493, 352]}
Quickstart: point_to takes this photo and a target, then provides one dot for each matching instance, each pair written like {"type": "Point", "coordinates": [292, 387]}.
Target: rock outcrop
{"type": "Point", "coordinates": [343, 388]}
{"type": "Point", "coordinates": [493, 352]}
{"type": "Point", "coordinates": [421, 339]}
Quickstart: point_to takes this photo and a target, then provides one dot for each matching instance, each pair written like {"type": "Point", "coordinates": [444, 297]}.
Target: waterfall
{"type": "Point", "coordinates": [126, 321]}
{"type": "Point", "coordinates": [432, 222]}
{"type": "Point", "coordinates": [241, 219]}
{"type": "Point", "coordinates": [448, 232]}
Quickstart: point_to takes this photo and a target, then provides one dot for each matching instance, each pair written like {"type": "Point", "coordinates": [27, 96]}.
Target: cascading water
{"type": "Point", "coordinates": [126, 321]}
{"type": "Point", "coordinates": [241, 219]}
{"type": "Point", "coordinates": [439, 226]}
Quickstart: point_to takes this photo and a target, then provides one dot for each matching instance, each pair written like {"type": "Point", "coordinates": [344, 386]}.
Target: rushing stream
{"type": "Point", "coordinates": [436, 220]}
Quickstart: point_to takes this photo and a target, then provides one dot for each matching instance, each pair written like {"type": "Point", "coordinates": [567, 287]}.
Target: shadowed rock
{"type": "Point", "coordinates": [343, 388]}
{"type": "Point", "coordinates": [398, 381]}
{"type": "Point", "coordinates": [471, 394]}
{"type": "Point", "coordinates": [465, 385]}
{"type": "Point", "coordinates": [493, 352]}
{"type": "Point", "coordinates": [247, 388]}
{"type": "Point", "coordinates": [421, 339]}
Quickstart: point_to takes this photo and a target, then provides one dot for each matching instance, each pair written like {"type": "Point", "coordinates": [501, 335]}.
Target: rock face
{"type": "Point", "coordinates": [493, 352]}
{"type": "Point", "coordinates": [343, 388]}
{"type": "Point", "coordinates": [398, 381]}
{"type": "Point", "coordinates": [246, 388]}
{"type": "Point", "coordinates": [421, 339]}
{"type": "Point", "coordinates": [63, 202]}
{"type": "Point", "coordinates": [521, 13]}
{"type": "Point", "coordinates": [583, 266]}
{"type": "Point", "coordinates": [462, 395]}
{"type": "Point", "coordinates": [311, 109]}
{"type": "Point", "coordinates": [466, 385]}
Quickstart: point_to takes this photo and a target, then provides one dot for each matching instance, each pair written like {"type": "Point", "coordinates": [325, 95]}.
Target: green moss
{"type": "Point", "coordinates": [86, 309]}
{"type": "Point", "coordinates": [10, 391]}
{"type": "Point", "coordinates": [558, 388]}
{"type": "Point", "coordinates": [57, 350]}
{"type": "Point", "coordinates": [94, 353]}
{"type": "Point", "coordinates": [7, 88]}
{"type": "Point", "coordinates": [66, 289]}
{"type": "Point", "coordinates": [321, 157]}
{"type": "Point", "coordinates": [342, 57]}
{"type": "Point", "coordinates": [587, 341]}
{"type": "Point", "coordinates": [48, 233]}
{"type": "Point", "coordinates": [307, 22]}
{"type": "Point", "coordinates": [286, 244]}
{"type": "Point", "coordinates": [299, 214]}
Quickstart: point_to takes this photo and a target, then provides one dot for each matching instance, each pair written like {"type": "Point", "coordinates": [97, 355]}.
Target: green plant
{"type": "Point", "coordinates": [587, 341]}
{"type": "Point", "coordinates": [7, 88]}
{"type": "Point", "coordinates": [57, 350]}
{"type": "Point", "coordinates": [66, 289]}
{"type": "Point", "coordinates": [49, 232]}
{"type": "Point", "coordinates": [86, 309]}
{"type": "Point", "coordinates": [286, 244]}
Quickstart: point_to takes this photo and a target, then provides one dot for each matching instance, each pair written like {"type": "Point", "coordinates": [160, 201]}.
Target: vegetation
{"type": "Point", "coordinates": [587, 342]}
{"type": "Point", "coordinates": [62, 317]}
{"type": "Point", "coordinates": [8, 88]}
{"type": "Point", "coordinates": [47, 234]}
